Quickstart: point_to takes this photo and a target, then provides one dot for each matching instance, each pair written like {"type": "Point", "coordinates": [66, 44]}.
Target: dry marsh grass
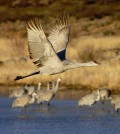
{"type": "Point", "coordinates": [45, 8]}
{"type": "Point", "coordinates": [102, 49]}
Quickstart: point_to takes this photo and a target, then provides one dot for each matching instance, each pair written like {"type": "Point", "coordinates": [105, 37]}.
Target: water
{"type": "Point", "coordinates": [62, 117]}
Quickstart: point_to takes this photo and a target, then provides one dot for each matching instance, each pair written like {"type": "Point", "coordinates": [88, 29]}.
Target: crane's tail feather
{"type": "Point", "coordinates": [22, 77]}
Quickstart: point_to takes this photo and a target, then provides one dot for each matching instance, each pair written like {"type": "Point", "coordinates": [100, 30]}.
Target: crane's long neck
{"type": "Point", "coordinates": [22, 77]}
{"type": "Point", "coordinates": [98, 96]}
{"type": "Point", "coordinates": [53, 85]}
{"type": "Point", "coordinates": [39, 86]}
{"type": "Point", "coordinates": [77, 65]}
{"type": "Point", "coordinates": [56, 87]}
{"type": "Point", "coordinates": [48, 86]}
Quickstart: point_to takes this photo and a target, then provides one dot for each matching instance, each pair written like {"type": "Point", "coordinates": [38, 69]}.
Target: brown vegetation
{"type": "Point", "coordinates": [50, 8]}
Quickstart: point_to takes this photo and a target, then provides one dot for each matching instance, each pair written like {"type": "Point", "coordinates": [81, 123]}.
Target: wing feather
{"type": "Point", "coordinates": [39, 47]}
{"type": "Point", "coordinates": [59, 35]}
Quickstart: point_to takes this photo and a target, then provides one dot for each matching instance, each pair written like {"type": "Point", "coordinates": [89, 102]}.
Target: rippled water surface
{"type": "Point", "coordinates": [62, 117]}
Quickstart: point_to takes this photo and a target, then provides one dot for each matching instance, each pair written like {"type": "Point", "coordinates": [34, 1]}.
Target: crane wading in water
{"type": "Point", "coordinates": [49, 53]}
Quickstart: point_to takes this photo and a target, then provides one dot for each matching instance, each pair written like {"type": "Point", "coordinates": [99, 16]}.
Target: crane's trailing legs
{"type": "Point", "coordinates": [22, 77]}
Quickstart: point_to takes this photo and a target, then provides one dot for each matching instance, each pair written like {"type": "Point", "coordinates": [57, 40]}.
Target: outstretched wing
{"type": "Point", "coordinates": [59, 35]}
{"type": "Point", "coordinates": [40, 48]}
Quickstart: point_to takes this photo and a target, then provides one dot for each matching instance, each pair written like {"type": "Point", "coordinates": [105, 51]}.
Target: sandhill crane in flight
{"type": "Point", "coordinates": [49, 53]}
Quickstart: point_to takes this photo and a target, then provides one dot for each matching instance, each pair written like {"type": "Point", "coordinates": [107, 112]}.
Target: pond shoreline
{"type": "Point", "coordinates": [64, 92]}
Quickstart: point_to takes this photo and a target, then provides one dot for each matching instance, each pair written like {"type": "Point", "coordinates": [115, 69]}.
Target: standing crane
{"type": "Point", "coordinates": [49, 54]}
{"type": "Point", "coordinates": [48, 94]}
